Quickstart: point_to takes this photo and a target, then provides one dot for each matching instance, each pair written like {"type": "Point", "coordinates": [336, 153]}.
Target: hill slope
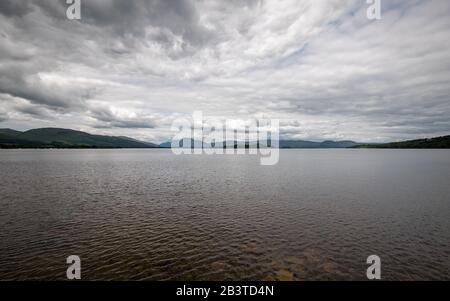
{"type": "Point", "coordinates": [65, 138]}
{"type": "Point", "coordinates": [9, 132]}
{"type": "Point", "coordinates": [438, 142]}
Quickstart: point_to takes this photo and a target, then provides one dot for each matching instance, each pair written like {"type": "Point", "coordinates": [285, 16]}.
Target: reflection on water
{"type": "Point", "coordinates": [150, 215]}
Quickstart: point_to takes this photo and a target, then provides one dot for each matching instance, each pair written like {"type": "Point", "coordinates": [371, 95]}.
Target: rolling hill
{"type": "Point", "coordinates": [438, 142]}
{"type": "Point", "coordinates": [65, 138]}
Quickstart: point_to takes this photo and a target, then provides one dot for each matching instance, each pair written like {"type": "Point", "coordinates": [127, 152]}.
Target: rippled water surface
{"type": "Point", "coordinates": [151, 215]}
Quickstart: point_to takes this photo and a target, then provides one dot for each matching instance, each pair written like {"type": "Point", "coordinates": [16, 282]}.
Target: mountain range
{"type": "Point", "coordinates": [282, 144]}
{"type": "Point", "coordinates": [67, 138]}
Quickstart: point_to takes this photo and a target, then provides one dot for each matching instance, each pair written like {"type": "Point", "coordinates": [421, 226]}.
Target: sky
{"type": "Point", "coordinates": [319, 66]}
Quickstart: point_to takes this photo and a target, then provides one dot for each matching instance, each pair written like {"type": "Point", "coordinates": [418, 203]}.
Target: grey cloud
{"type": "Point", "coordinates": [139, 22]}
{"type": "Point", "coordinates": [31, 88]}
{"type": "Point", "coordinates": [125, 17]}
{"type": "Point", "coordinates": [126, 124]}
{"type": "Point", "coordinates": [34, 111]}
{"type": "Point", "coordinates": [3, 117]}
{"type": "Point", "coordinates": [24, 58]}
{"type": "Point", "coordinates": [13, 8]}
{"type": "Point", "coordinates": [106, 118]}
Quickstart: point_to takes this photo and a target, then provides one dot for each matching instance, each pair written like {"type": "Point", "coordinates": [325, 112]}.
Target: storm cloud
{"type": "Point", "coordinates": [320, 66]}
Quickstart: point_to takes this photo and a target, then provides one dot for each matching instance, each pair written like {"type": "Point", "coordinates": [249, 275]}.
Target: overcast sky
{"type": "Point", "coordinates": [324, 69]}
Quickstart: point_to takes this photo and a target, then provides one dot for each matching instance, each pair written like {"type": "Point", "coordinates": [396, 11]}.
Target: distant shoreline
{"type": "Point", "coordinates": [56, 138]}
{"type": "Point", "coordinates": [431, 143]}
{"type": "Point", "coordinates": [363, 147]}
